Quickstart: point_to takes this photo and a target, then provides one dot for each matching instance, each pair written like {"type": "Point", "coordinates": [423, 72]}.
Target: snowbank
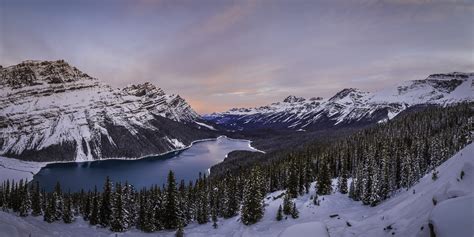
{"type": "Point", "coordinates": [306, 229]}
{"type": "Point", "coordinates": [454, 217]}
{"type": "Point", "coordinates": [17, 169]}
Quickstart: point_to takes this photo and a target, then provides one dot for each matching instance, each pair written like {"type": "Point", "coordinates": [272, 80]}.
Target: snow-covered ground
{"type": "Point", "coordinates": [407, 213]}
{"type": "Point", "coordinates": [17, 169]}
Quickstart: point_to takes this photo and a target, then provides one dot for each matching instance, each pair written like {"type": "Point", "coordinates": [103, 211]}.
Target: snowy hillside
{"type": "Point", "coordinates": [350, 106]}
{"type": "Point", "coordinates": [407, 213]}
{"type": "Point", "coordinates": [50, 110]}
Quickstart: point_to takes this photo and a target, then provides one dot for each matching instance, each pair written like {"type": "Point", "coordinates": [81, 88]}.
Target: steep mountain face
{"type": "Point", "coordinates": [50, 110]}
{"type": "Point", "coordinates": [350, 107]}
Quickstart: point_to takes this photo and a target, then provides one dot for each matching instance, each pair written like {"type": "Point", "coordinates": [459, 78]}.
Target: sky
{"type": "Point", "coordinates": [220, 54]}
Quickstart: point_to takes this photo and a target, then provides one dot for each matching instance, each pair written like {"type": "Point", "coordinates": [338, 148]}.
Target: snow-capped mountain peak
{"type": "Point", "coordinates": [351, 106]}
{"type": "Point", "coordinates": [50, 110]}
{"type": "Point", "coordinates": [293, 99]}
{"type": "Point", "coordinates": [35, 72]}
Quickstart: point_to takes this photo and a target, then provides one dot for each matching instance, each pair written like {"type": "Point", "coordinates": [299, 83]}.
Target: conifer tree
{"type": "Point", "coordinates": [230, 202]}
{"type": "Point", "coordinates": [67, 216]}
{"type": "Point", "coordinates": [49, 210]}
{"type": "Point", "coordinates": [308, 175]}
{"type": "Point", "coordinates": [119, 214]}
{"type": "Point", "coordinates": [25, 201]}
{"type": "Point", "coordinates": [171, 212]}
{"type": "Point", "coordinates": [6, 196]}
{"type": "Point", "coordinates": [252, 203]}
{"type": "Point", "coordinates": [279, 216]}
{"type": "Point", "coordinates": [342, 182]}
{"type": "Point", "coordinates": [105, 213]}
{"type": "Point", "coordinates": [86, 211]}
{"type": "Point", "coordinates": [130, 206]}
{"type": "Point", "coordinates": [180, 232]}
{"type": "Point", "coordinates": [36, 200]}
{"type": "Point", "coordinates": [293, 180]}
{"type": "Point", "coordinates": [94, 218]}
{"type": "Point", "coordinates": [214, 218]}
{"type": "Point", "coordinates": [287, 204]}
{"type": "Point", "coordinates": [323, 184]}
{"type": "Point", "coordinates": [294, 212]}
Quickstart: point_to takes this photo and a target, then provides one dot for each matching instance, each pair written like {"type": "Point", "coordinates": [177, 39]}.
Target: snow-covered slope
{"type": "Point", "coordinates": [407, 213]}
{"type": "Point", "coordinates": [50, 110]}
{"type": "Point", "coordinates": [350, 106]}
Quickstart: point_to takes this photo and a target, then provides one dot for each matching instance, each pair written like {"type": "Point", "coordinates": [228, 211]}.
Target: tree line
{"type": "Point", "coordinates": [369, 166]}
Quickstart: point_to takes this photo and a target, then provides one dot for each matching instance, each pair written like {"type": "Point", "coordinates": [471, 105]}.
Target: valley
{"type": "Point", "coordinates": [241, 118]}
{"type": "Point", "coordinates": [354, 163]}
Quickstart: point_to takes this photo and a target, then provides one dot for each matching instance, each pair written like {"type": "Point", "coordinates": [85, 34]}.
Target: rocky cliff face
{"type": "Point", "coordinates": [350, 107]}
{"type": "Point", "coordinates": [50, 110]}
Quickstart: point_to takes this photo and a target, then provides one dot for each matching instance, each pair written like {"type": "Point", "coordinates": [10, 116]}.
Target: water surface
{"type": "Point", "coordinates": [143, 172]}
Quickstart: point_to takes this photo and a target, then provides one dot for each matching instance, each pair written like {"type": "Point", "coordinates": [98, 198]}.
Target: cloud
{"type": "Point", "coordinates": [224, 54]}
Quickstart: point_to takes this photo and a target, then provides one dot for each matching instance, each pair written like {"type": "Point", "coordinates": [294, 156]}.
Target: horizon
{"type": "Point", "coordinates": [222, 55]}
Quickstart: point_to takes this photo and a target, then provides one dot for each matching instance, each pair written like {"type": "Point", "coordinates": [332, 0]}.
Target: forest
{"type": "Point", "coordinates": [370, 165]}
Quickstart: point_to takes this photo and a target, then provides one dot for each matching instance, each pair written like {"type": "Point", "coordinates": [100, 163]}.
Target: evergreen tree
{"type": "Point", "coordinates": [49, 210]}
{"type": "Point", "coordinates": [54, 209]}
{"type": "Point", "coordinates": [180, 232]}
{"type": "Point", "coordinates": [342, 182]}
{"type": "Point", "coordinates": [230, 202]}
{"type": "Point", "coordinates": [119, 214]}
{"type": "Point", "coordinates": [67, 216]}
{"type": "Point", "coordinates": [6, 196]}
{"type": "Point", "coordinates": [171, 212]}
{"type": "Point", "coordinates": [214, 219]}
{"type": "Point", "coordinates": [294, 212]}
{"type": "Point", "coordinates": [252, 203]}
{"type": "Point", "coordinates": [86, 211]}
{"type": "Point", "coordinates": [25, 201]}
{"type": "Point", "coordinates": [279, 216]}
{"type": "Point", "coordinates": [324, 180]}
{"type": "Point", "coordinates": [36, 200]}
{"type": "Point", "coordinates": [146, 221]}
{"type": "Point", "coordinates": [293, 180]}
{"type": "Point", "coordinates": [130, 206]}
{"type": "Point", "coordinates": [308, 175]}
{"type": "Point", "coordinates": [94, 218]}
{"type": "Point", "coordinates": [105, 213]}
{"type": "Point", "coordinates": [287, 204]}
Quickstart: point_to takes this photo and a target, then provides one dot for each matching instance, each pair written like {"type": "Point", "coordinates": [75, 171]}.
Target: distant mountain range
{"type": "Point", "coordinates": [50, 111]}
{"type": "Point", "coordinates": [349, 107]}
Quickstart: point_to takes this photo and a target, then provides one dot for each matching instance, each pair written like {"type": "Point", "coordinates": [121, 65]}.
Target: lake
{"type": "Point", "coordinates": [144, 172]}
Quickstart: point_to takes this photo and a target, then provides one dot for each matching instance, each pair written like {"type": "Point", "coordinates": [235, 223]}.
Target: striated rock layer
{"type": "Point", "coordinates": [51, 111]}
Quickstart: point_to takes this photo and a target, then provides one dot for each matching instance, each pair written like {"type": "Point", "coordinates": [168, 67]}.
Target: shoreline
{"type": "Point", "coordinates": [13, 166]}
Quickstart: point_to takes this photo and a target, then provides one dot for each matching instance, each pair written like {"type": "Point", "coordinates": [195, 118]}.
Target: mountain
{"type": "Point", "coordinates": [51, 111]}
{"type": "Point", "coordinates": [350, 107]}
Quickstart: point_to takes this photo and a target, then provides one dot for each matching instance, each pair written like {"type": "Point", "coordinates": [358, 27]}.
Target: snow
{"type": "Point", "coordinates": [38, 116]}
{"type": "Point", "coordinates": [205, 125]}
{"type": "Point", "coordinates": [175, 143]}
{"type": "Point", "coordinates": [454, 217]}
{"type": "Point", "coordinates": [306, 229]}
{"type": "Point", "coordinates": [14, 169]}
{"type": "Point", "coordinates": [353, 104]}
{"type": "Point", "coordinates": [407, 213]}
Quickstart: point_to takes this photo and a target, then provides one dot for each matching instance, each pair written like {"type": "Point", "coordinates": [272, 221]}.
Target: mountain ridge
{"type": "Point", "coordinates": [50, 110]}
{"type": "Point", "coordinates": [349, 106]}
